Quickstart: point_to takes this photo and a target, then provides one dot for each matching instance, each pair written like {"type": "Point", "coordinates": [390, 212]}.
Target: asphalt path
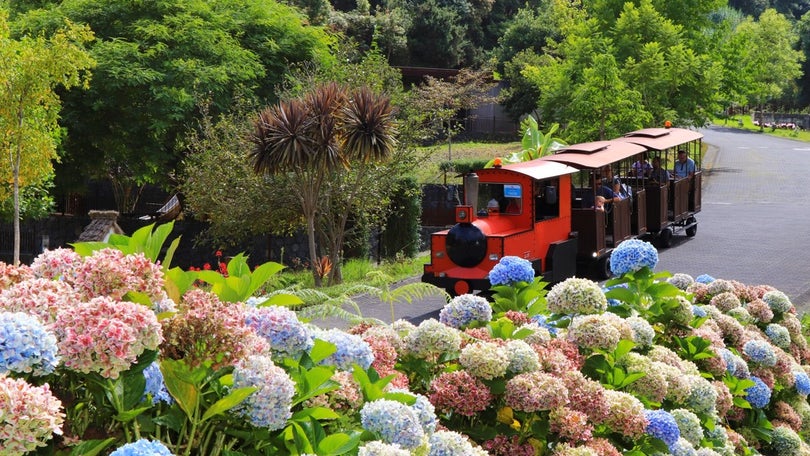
{"type": "Point", "coordinates": [754, 224]}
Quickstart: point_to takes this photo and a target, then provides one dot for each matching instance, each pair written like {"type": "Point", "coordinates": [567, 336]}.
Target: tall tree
{"type": "Point", "coordinates": [320, 134]}
{"type": "Point", "coordinates": [770, 57]}
{"type": "Point", "coordinates": [31, 69]}
{"type": "Point", "coordinates": [157, 61]}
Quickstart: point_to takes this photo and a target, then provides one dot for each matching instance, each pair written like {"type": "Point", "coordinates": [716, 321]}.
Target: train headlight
{"type": "Point", "coordinates": [595, 254]}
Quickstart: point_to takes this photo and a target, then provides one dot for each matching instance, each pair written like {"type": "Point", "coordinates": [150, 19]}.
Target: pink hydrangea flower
{"type": "Point", "coordinates": [586, 395]}
{"type": "Point", "coordinates": [106, 336]}
{"type": "Point", "coordinates": [535, 391]}
{"type": "Point", "coordinates": [626, 414]}
{"type": "Point", "coordinates": [44, 298]}
{"type": "Point", "coordinates": [459, 392]}
{"type": "Point", "coordinates": [29, 416]}
{"type": "Point", "coordinates": [10, 274]}
{"type": "Point", "coordinates": [108, 272]}
{"type": "Point", "coordinates": [502, 445]}
{"type": "Point", "coordinates": [206, 329]}
{"type": "Point", "coordinates": [56, 264]}
{"type": "Point", "coordinates": [571, 425]}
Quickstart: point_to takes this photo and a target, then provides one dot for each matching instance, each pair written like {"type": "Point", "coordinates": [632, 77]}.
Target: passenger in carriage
{"type": "Point", "coordinates": [599, 203]}
{"type": "Point", "coordinates": [642, 167]}
{"type": "Point", "coordinates": [658, 174]}
{"type": "Point", "coordinates": [685, 166]}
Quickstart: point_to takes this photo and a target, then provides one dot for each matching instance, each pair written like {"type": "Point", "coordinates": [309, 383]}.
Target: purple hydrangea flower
{"type": "Point", "coordinates": [633, 255]}
{"type": "Point", "coordinates": [511, 270]}
{"type": "Point", "coordinates": [288, 337]}
{"type": "Point", "coordinates": [393, 421]}
{"type": "Point", "coordinates": [270, 405]}
{"type": "Point", "coordinates": [465, 309]}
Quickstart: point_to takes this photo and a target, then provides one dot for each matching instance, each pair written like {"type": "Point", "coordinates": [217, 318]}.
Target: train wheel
{"type": "Point", "coordinates": [692, 230]}
{"type": "Point", "coordinates": [665, 238]}
{"type": "Point", "coordinates": [603, 271]}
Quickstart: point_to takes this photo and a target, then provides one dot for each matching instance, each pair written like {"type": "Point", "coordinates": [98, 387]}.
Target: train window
{"type": "Point", "coordinates": [501, 198]}
{"type": "Point", "coordinates": [546, 200]}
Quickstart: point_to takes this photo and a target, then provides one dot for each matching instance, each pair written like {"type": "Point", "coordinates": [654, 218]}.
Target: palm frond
{"type": "Point", "coordinates": [324, 104]}
{"type": "Point", "coordinates": [369, 128]}
{"type": "Point", "coordinates": [416, 290]}
{"type": "Point", "coordinates": [282, 138]}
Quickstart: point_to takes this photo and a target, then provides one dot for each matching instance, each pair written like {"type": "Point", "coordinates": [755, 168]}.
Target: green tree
{"type": "Point", "coordinates": [321, 135]}
{"type": "Point", "coordinates": [220, 187]}
{"type": "Point", "coordinates": [603, 106]}
{"type": "Point", "coordinates": [769, 59]}
{"type": "Point", "coordinates": [157, 61]}
{"type": "Point", "coordinates": [31, 69]}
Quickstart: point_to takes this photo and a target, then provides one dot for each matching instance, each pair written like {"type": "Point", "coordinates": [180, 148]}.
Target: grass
{"type": "Point", "coordinates": [744, 122]}
{"type": "Point", "coordinates": [430, 173]}
{"type": "Point", "coordinates": [355, 272]}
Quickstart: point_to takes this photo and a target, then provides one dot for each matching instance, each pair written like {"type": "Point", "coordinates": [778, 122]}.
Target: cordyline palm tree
{"type": "Point", "coordinates": [326, 131]}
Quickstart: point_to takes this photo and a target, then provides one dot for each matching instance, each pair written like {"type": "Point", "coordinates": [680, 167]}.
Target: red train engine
{"type": "Point", "coordinates": [521, 209]}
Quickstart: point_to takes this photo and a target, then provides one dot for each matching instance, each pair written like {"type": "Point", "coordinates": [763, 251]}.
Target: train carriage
{"type": "Point", "coordinates": [671, 206]}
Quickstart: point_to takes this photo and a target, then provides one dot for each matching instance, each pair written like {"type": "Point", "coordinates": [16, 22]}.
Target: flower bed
{"type": "Point", "coordinates": [112, 353]}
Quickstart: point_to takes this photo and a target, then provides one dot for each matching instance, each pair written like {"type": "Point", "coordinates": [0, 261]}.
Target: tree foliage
{"type": "Point", "coordinates": [31, 69]}
{"type": "Point", "coordinates": [157, 60]}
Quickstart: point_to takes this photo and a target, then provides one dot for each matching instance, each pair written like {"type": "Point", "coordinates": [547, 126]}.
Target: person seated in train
{"type": "Point", "coordinates": [684, 166]}
{"type": "Point", "coordinates": [493, 206]}
{"type": "Point", "coordinates": [658, 174]}
{"type": "Point", "coordinates": [513, 207]}
{"type": "Point", "coordinates": [601, 189]}
{"type": "Point", "coordinates": [621, 190]}
{"type": "Point", "coordinates": [641, 168]}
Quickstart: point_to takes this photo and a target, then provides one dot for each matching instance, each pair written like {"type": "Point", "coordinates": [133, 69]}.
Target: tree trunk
{"type": "Point", "coordinates": [313, 254]}
{"type": "Point", "coordinates": [15, 170]}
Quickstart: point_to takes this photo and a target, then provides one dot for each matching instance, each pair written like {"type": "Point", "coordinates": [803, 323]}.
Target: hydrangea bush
{"type": "Point", "coordinates": [111, 353]}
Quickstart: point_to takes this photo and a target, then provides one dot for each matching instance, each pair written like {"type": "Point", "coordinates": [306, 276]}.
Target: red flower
{"type": "Point", "coordinates": [207, 266]}
{"type": "Point", "coordinates": [218, 253]}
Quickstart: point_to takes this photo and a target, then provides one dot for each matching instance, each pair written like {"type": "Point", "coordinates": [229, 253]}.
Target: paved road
{"type": "Point", "coordinates": [754, 225]}
{"type": "Point", "coordinates": [755, 219]}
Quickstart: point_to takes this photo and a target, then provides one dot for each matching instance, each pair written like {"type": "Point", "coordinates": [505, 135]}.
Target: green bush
{"type": "Point", "coordinates": [401, 234]}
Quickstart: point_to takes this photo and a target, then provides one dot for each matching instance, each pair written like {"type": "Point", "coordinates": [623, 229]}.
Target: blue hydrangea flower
{"type": "Point", "coordinates": [633, 255]}
{"type": "Point", "coordinates": [270, 405]}
{"type": "Point", "coordinates": [698, 311]}
{"type": "Point", "coordinates": [785, 441]}
{"type": "Point", "coordinates": [155, 387]}
{"type": "Point", "coordinates": [255, 301]}
{"type": "Point", "coordinates": [777, 301]}
{"type": "Point", "coordinates": [682, 448]}
{"type": "Point", "coordinates": [759, 394]}
{"type": "Point", "coordinates": [643, 332]}
{"type": "Point", "coordinates": [662, 425]}
{"type": "Point", "coordinates": [449, 443]}
{"type": "Point", "coordinates": [424, 410]}
{"type": "Point", "coordinates": [288, 337]}
{"type": "Point", "coordinates": [760, 352]}
{"type": "Point", "coordinates": [143, 447]}
{"type": "Point", "coordinates": [393, 421]}
{"type": "Point", "coordinates": [27, 347]}
{"type": "Point", "coordinates": [704, 278]}
{"type": "Point", "coordinates": [379, 448]}
{"type": "Point", "coordinates": [802, 382]}
{"type": "Point", "coordinates": [542, 321]}
{"type": "Point", "coordinates": [511, 270]}
{"type": "Point", "coordinates": [778, 334]}
{"type": "Point", "coordinates": [351, 349]}
{"type": "Point", "coordinates": [465, 309]}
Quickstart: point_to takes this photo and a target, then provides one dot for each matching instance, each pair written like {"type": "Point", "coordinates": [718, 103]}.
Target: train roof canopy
{"type": "Point", "coordinates": [661, 138]}
{"type": "Point", "coordinates": [595, 154]}
{"type": "Point", "coordinates": [536, 169]}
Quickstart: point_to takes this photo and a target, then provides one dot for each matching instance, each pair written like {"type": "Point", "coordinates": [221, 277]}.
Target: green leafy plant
{"type": "Point", "coordinates": [534, 143]}
{"type": "Point", "coordinates": [526, 297]}
{"type": "Point", "coordinates": [605, 366]}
